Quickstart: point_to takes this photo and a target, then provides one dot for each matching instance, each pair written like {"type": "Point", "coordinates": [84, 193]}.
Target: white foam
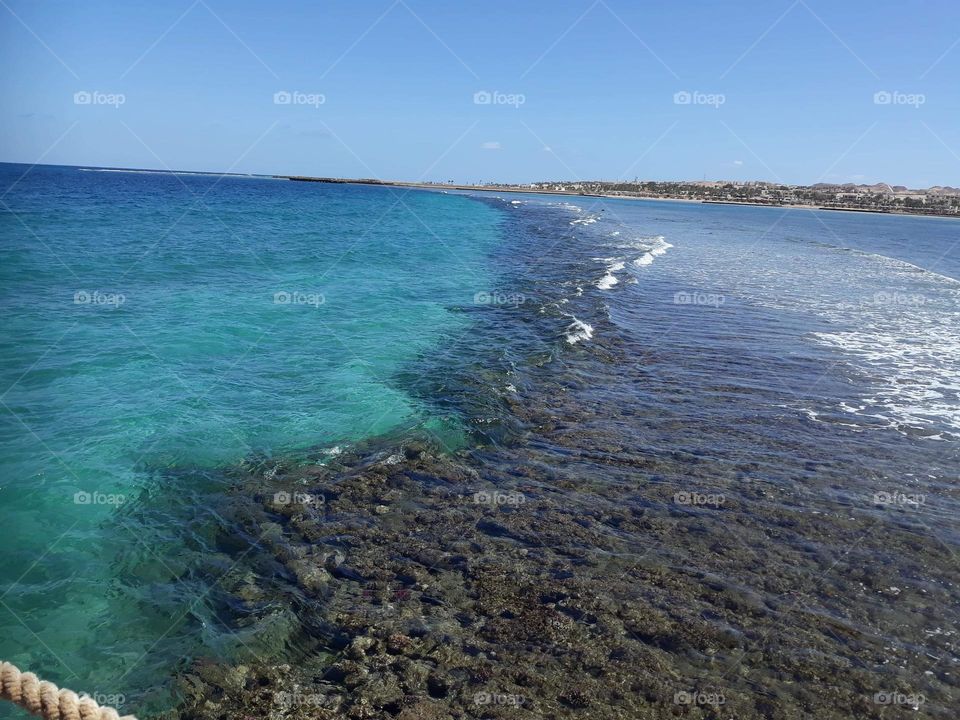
{"type": "Point", "coordinates": [578, 330]}
{"type": "Point", "coordinates": [888, 329]}
{"type": "Point", "coordinates": [610, 279]}
{"type": "Point", "coordinates": [649, 243]}
{"type": "Point", "coordinates": [914, 385]}
{"type": "Point", "coordinates": [650, 249]}
{"type": "Point", "coordinates": [607, 281]}
{"type": "Point", "coordinates": [660, 247]}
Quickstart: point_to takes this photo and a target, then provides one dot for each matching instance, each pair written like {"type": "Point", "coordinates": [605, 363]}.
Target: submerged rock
{"type": "Point", "coordinates": [484, 590]}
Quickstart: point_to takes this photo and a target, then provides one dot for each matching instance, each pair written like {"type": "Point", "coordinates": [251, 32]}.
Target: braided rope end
{"type": "Point", "coordinates": [46, 700]}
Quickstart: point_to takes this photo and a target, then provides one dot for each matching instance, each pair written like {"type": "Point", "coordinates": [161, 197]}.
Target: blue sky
{"type": "Point", "coordinates": [775, 90]}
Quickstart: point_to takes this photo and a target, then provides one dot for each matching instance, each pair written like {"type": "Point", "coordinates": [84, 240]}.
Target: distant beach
{"type": "Point", "coordinates": [620, 196]}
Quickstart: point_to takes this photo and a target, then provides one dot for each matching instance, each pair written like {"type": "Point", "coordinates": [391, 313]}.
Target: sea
{"type": "Point", "coordinates": [753, 412]}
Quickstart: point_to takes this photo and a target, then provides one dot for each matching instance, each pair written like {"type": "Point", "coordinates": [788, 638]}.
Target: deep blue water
{"type": "Point", "coordinates": [160, 328]}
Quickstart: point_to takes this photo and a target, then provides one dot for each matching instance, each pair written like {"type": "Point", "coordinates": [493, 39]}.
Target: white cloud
{"type": "Point", "coordinates": [738, 163]}
{"type": "Point", "coordinates": [492, 145]}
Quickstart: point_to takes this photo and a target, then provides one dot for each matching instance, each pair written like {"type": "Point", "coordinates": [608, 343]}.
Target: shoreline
{"type": "Point", "coordinates": [444, 187]}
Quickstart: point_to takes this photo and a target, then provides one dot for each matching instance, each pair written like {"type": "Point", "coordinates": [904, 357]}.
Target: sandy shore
{"type": "Point", "coordinates": [497, 189]}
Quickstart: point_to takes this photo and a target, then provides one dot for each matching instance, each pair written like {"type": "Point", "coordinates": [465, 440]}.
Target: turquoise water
{"type": "Point", "coordinates": [156, 326]}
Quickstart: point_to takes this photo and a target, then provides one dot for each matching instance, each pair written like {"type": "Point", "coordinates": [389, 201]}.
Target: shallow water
{"type": "Point", "coordinates": [742, 421]}
{"type": "Point", "coordinates": [158, 327]}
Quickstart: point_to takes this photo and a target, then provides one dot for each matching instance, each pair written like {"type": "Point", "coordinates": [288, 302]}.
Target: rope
{"type": "Point", "coordinates": [46, 700]}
